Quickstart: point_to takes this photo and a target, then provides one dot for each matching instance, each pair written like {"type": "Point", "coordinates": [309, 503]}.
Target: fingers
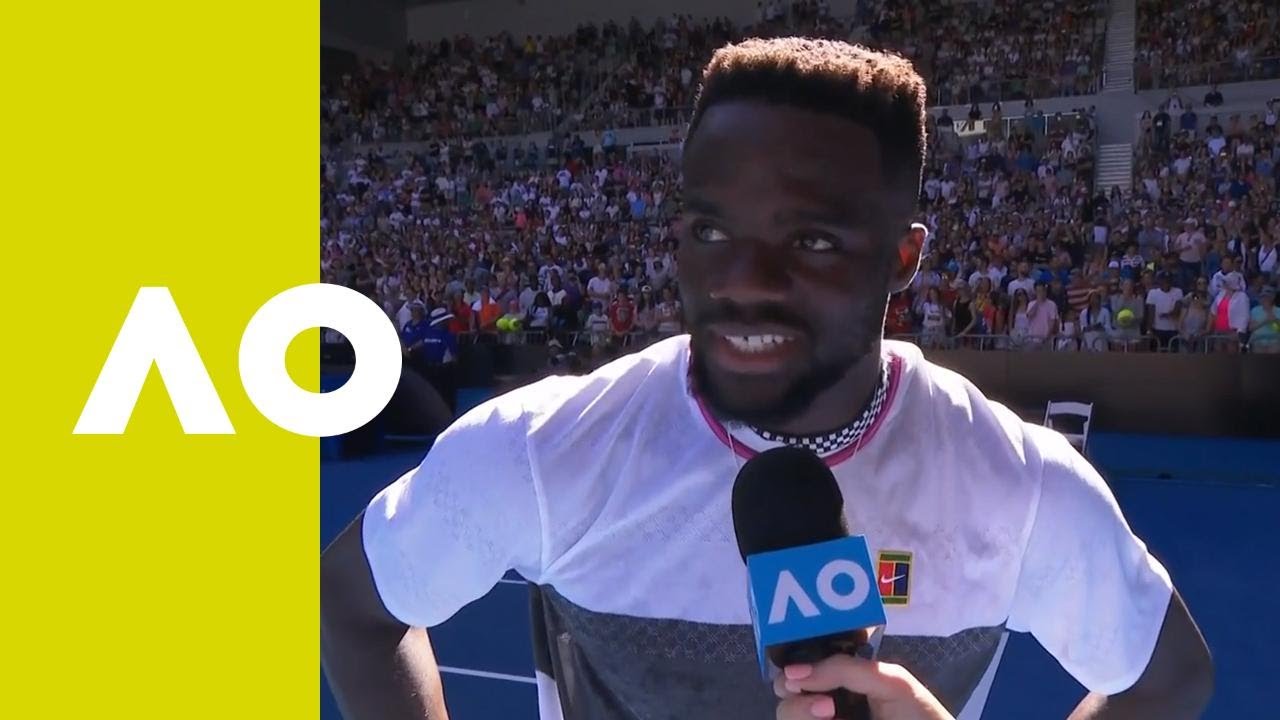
{"type": "Point", "coordinates": [878, 681]}
{"type": "Point", "coordinates": [806, 707]}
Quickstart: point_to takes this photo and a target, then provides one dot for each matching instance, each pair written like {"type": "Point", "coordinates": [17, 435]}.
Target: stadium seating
{"type": "Point", "coordinates": [507, 183]}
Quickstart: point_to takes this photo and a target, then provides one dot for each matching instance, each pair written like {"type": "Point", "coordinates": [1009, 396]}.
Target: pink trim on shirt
{"type": "Point", "coordinates": [746, 453]}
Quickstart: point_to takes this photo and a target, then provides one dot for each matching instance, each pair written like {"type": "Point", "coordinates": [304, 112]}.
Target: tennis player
{"type": "Point", "coordinates": [610, 493]}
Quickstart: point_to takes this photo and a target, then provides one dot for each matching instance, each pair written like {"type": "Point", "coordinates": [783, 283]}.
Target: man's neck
{"type": "Point", "coordinates": [842, 403]}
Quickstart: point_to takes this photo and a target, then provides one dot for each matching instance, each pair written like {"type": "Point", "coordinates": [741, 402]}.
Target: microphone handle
{"type": "Point", "coordinates": [849, 705]}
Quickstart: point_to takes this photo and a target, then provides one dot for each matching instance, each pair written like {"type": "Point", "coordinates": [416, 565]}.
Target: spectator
{"type": "Point", "coordinates": [1095, 323]}
{"type": "Point", "coordinates": [933, 318]}
{"type": "Point", "coordinates": [898, 319]}
{"type": "Point", "coordinates": [1264, 324]}
{"type": "Point", "coordinates": [413, 333]}
{"type": "Point", "coordinates": [670, 314]}
{"type": "Point", "coordinates": [597, 327]}
{"type": "Point", "coordinates": [1019, 322]}
{"type": "Point", "coordinates": [1127, 316]}
{"type": "Point", "coordinates": [1227, 270]}
{"type": "Point", "coordinates": [1190, 245]}
{"type": "Point", "coordinates": [1194, 323]}
{"type": "Point", "coordinates": [600, 288]}
{"type": "Point", "coordinates": [1068, 336]}
{"type": "Point", "coordinates": [646, 313]}
{"type": "Point", "coordinates": [1213, 98]}
{"type": "Point", "coordinates": [1163, 304]}
{"type": "Point", "coordinates": [1229, 315]}
{"type": "Point", "coordinates": [486, 312]}
{"type": "Point", "coordinates": [622, 317]}
{"type": "Point", "coordinates": [539, 313]}
{"type": "Point", "coordinates": [1042, 316]}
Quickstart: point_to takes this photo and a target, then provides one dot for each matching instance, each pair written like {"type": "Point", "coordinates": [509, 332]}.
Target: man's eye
{"type": "Point", "coordinates": [815, 243]}
{"type": "Point", "coordinates": [709, 233]}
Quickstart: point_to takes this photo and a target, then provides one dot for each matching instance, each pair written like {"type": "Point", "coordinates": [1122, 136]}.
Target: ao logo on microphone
{"type": "Point", "coordinates": [812, 590]}
{"type": "Point", "coordinates": [789, 590]}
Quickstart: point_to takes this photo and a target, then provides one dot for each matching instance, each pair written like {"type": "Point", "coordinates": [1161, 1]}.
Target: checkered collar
{"type": "Point", "coordinates": [844, 437]}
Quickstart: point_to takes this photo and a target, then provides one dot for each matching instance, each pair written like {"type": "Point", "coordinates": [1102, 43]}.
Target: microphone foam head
{"type": "Point", "coordinates": [786, 497]}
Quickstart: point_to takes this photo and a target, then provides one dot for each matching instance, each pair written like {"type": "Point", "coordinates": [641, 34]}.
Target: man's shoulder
{"type": "Point", "coordinates": [564, 402]}
{"type": "Point", "coordinates": [946, 402]}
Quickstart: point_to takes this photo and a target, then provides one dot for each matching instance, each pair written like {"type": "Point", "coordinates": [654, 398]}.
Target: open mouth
{"type": "Point", "coordinates": [753, 350]}
{"type": "Point", "coordinates": [756, 343]}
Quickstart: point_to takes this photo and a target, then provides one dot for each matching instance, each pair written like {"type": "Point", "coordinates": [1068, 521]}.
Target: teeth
{"type": "Point", "coordinates": [755, 343]}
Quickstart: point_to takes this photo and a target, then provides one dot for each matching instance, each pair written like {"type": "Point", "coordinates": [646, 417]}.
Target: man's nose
{"type": "Point", "coordinates": [752, 273]}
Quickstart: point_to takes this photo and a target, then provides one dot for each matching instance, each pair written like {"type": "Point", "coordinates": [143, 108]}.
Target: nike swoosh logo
{"type": "Point", "coordinates": [884, 579]}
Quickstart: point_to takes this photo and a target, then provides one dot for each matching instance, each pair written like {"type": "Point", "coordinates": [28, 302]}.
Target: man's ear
{"type": "Point", "coordinates": [906, 261]}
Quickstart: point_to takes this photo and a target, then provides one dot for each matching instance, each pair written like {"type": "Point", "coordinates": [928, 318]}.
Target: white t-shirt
{"type": "Point", "coordinates": [1028, 285]}
{"type": "Point", "coordinates": [1163, 302]}
{"type": "Point", "coordinates": [934, 317]}
{"type": "Point", "coordinates": [624, 527]}
{"type": "Point", "coordinates": [599, 287]}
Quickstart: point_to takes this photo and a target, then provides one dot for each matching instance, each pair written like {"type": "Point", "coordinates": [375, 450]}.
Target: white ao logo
{"type": "Point", "coordinates": [788, 591]}
{"type": "Point", "coordinates": [153, 331]}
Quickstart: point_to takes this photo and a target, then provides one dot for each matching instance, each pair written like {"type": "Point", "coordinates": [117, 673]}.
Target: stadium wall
{"type": "Point", "coordinates": [544, 17]}
{"type": "Point", "coordinates": [1210, 394]}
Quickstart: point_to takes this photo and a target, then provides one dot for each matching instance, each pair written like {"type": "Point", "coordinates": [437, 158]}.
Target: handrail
{"type": "Point", "coordinates": [1145, 343]}
{"type": "Point", "coordinates": [1154, 76]}
{"type": "Point", "coordinates": [1011, 89]}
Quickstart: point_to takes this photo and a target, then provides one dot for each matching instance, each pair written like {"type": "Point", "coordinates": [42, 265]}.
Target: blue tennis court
{"type": "Point", "coordinates": [1207, 508]}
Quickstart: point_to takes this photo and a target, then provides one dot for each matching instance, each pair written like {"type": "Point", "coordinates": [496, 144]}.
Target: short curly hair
{"type": "Point", "coordinates": [879, 90]}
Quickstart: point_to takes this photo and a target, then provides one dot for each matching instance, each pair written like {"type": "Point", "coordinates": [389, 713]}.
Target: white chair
{"type": "Point", "coordinates": [1077, 409]}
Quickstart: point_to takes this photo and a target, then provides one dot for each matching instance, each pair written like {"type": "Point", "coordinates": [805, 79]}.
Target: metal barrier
{"type": "Point", "coordinates": [637, 340]}
{"type": "Point", "coordinates": [1146, 343]}
{"type": "Point", "coordinates": [1006, 89]}
{"type": "Point", "coordinates": [1152, 76]}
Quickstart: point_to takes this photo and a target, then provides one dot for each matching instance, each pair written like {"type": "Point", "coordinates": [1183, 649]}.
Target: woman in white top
{"type": "Point", "coordinates": [646, 313]}
{"type": "Point", "coordinates": [1069, 334]}
{"type": "Point", "coordinates": [1095, 324]}
{"type": "Point", "coordinates": [669, 314]}
{"type": "Point", "coordinates": [1019, 322]}
{"type": "Point", "coordinates": [1268, 254]}
{"type": "Point", "coordinates": [933, 319]}
{"type": "Point", "coordinates": [539, 315]}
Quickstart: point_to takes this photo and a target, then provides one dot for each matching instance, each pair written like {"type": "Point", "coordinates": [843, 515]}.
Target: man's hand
{"type": "Point", "coordinates": [892, 692]}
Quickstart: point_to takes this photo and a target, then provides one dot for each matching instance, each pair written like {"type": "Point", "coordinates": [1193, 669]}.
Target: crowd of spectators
{"type": "Point", "coordinates": [987, 51]}
{"type": "Point", "coordinates": [1032, 259]}
{"type": "Point", "coordinates": [1197, 42]}
{"type": "Point", "coordinates": [969, 52]}
{"type": "Point", "coordinates": [623, 75]}
{"type": "Point", "coordinates": [546, 242]}
{"type": "Point", "coordinates": [564, 242]}
{"type": "Point", "coordinates": [467, 87]}
{"type": "Point", "coordinates": [574, 244]}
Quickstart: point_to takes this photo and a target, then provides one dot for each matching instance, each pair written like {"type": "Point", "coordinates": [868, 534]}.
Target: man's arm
{"type": "Point", "coordinates": [1177, 683]}
{"type": "Point", "coordinates": [378, 667]}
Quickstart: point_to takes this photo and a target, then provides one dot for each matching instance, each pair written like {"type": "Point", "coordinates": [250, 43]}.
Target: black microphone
{"type": "Point", "coordinates": [787, 498]}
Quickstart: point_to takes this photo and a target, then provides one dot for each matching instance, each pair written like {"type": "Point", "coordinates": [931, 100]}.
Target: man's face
{"type": "Point", "coordinates": [784, 256]}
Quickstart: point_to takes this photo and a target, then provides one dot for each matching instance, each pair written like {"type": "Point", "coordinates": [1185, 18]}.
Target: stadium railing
{"type": "Point", "coordinates": [1148, 76]}
{"type": "Point", "coordinates": [1014, 343]}
{"type": "Point", "coordinates": [1006, 89]}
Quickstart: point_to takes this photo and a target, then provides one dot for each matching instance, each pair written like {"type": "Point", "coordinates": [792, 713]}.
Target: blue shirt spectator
{"type": "Point", "coordinates": [438, 344]}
